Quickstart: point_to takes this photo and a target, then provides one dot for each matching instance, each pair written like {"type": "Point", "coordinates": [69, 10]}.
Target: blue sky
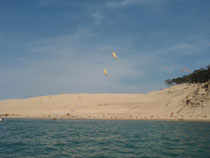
{"type": "Point", "coordinates": [62, 46]}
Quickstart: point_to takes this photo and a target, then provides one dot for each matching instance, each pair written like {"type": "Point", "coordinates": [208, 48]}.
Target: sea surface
{"type": "Point", "coordinates": [42, 138]}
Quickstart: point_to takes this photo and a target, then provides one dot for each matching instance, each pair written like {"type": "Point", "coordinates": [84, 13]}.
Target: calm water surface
{"type": "Point", "coordinates": [103, 138]}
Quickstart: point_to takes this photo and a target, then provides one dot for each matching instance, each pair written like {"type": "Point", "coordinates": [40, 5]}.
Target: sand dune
{"type": "Point", "coordinates": [185, 101]}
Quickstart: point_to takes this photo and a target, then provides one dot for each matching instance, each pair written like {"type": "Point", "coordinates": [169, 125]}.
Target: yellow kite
{"type": "Point", "coordinates": [114, 55]}
{"type": "Point", "coordinates": [105, 72]}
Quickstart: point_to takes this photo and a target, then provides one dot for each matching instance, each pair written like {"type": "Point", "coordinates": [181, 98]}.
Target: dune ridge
{"type": "Point", "coordinates": [180, 102]}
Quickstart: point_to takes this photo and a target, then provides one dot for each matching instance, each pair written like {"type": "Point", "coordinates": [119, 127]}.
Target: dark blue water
{"type": "Point", "coordinates": [103, 138]}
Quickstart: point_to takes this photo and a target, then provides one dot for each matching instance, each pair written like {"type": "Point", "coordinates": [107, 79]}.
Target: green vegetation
{"type": "Point", "coordinates": [198, 76]}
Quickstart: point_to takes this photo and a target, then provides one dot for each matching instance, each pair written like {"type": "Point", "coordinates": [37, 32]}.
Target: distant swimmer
{"type": "Point", "coordinates": [2, 119]}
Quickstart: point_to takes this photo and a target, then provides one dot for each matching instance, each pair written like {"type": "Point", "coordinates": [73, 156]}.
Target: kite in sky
{"type": "Point", "coordinates": [114, 55]}
{"type": "Point", "coordinates": [188, 70]}
{"type": "Point", "coordinates": [105, 72]}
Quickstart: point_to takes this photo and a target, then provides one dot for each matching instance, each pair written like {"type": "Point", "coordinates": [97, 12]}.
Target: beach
{"type": "Point", "coordinates": [181, 102]}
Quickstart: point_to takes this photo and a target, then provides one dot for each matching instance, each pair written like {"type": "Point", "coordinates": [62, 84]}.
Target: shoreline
{"type": "Point", "coordinates": [125, 119]}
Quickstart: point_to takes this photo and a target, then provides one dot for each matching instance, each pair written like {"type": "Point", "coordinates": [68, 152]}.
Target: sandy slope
{"type": "Point", "coordinates": [185, 101]}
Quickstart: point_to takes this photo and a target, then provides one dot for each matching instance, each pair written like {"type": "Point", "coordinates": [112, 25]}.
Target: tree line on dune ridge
{"type": "Point", "coordinates": [198, 76]}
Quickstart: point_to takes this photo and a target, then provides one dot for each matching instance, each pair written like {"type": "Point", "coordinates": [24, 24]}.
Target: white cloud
{"type": "Point", "coordinates": [97, 17]}
{"type": "Point", "coordinates": [49, 2]}
{"type": "Point", "coordinates": [180, 49]}
{"type": "Point", "coordinates": [125, 3]}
